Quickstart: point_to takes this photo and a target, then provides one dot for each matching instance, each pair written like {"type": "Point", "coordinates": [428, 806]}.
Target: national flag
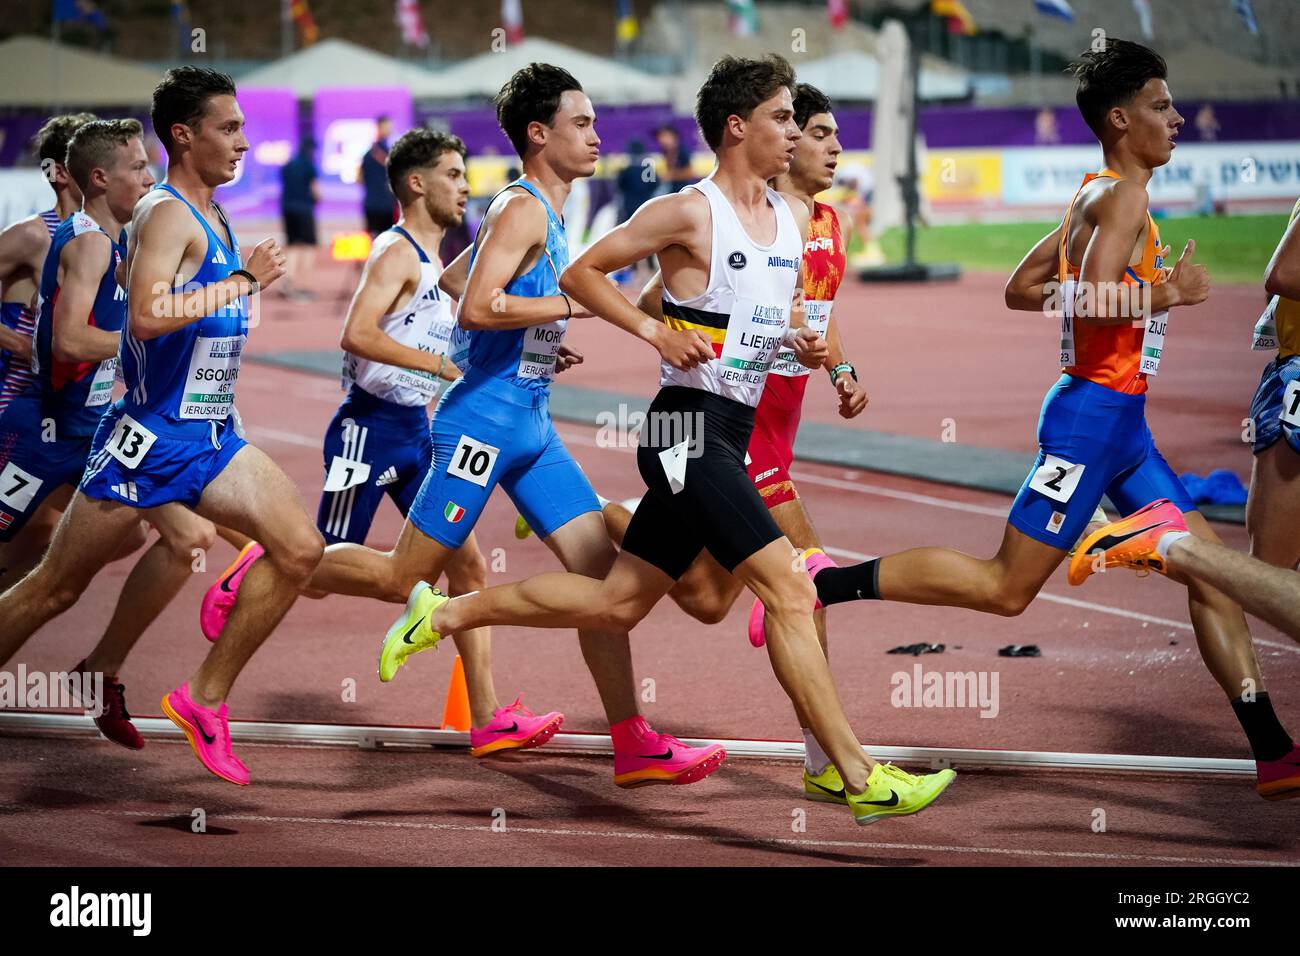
{"type": "Point", "coordinates": [512, 18]}
{"type": "Point", "coordinates": [453, 512]}
{"type": "Point", "coordinates": [1056, 8]}
{"type": "Point", "coordinates": [1143, 10]}
{"type": "Point", "coordinates": [1247, 14]}
{"type": "Point", "coordinates": [79, 11]}
{"type": "Point", "coordinates": [304, 21]}
{"type": "Point", "coordinates": [412, 26]}
{"type": "Point", "coordinates": [837, 11]}
{"type": "Point", "coordinates": [626, 29]}
{"type": "Point", "coordinates": [743, 17]}
{"type": "Point", "coordinates": [959, 18]}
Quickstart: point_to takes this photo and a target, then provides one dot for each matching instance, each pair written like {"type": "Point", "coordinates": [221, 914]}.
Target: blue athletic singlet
{"type": "Point", "coordinates": [526, 357]}
{"type": "Point", "coordinates": [17, 316]}
{"type": "Point", "coordinates": [76, 394]}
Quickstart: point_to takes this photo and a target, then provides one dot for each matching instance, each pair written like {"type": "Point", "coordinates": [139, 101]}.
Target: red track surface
{"type": "Point", "coordinates": [1106, 682]}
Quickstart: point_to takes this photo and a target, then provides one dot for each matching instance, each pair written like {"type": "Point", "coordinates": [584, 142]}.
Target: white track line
{"type": "Point", "coordinates": [678, 837]}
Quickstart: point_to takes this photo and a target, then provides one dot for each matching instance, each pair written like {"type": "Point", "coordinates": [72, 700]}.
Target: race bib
{"type": "Point", "coordinates": [344, 474]}
{"type": "Point", "coordinates": [817, 316]}
{"type": "Point", "coordinates": [1056, 478]}
{"type": "Point", "coordinates": [1068, 289]}
{"type": "Point", "coordinates": [130, 441]}
{"type": "Point", "coordinates": [1291, 403]}
{"type": "Point", "coordinates": [1265, 337]}
{"type": "Point", "coordinates": [210, 382]}
{"type": "Point", "coordinates": [1153, 342]}
{"type": "Point", "coordinates": [754, 333]}
{"type": "Point", "coordinates": [101, 386]}
{"type": "Point", "coordinates": [17, 487]}
{"type": "Point", "coordinates": [473, 461]}
{"type": "Point", "coordinates": [673, 462]}
{"type": "Point", "coordinates": [540, 345]}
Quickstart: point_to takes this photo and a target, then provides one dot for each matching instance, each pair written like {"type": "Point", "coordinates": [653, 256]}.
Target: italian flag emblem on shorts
{"type": "Point", "coordinates": [453, 512]}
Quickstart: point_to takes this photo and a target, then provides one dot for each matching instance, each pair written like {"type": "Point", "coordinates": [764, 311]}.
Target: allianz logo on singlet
{"type": "Point", "coordinates": [781, 262]}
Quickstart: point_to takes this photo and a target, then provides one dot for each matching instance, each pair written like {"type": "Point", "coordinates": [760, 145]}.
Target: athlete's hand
{"type": "Point", "coordinates": [1190, 278]}
{"type": "Point", "coordinates": [853, 397]}
{"type": "Point", "coordinates": [266, 262]}
{"type": "Point", "coordinates": [810, 348]}
{"type": "Point", "coordinates": [683, 349]}
{"type": "Point", "coordinates": [566, 357]}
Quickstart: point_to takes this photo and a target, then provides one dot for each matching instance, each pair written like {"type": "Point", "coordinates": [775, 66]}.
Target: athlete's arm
{"type": "Point", "coordinates": [164, 233]}
{"type": "Point", "coordinates": [1028, 287]}
{"type": "Point", "coordinates": [651, 299]}
{"type": "Point", "coordinates": [381, 284]}
{"type": "Point", "coordinates": [15, 343]}
{"type": "Point", "coordinates": [23, 244]}
{"type": "Point", "coordinates": [662, 222]}
{"type": "Point", "coordinates": [504, 241]}
{"type": "Point", "coordinates": [852, 396]}
{"type": "Point", "coordinates": [73, 339]}
{"type": "Point", "coordinates": [454, 276]}
{"type": "Point", "coordinates": [1282, 277]}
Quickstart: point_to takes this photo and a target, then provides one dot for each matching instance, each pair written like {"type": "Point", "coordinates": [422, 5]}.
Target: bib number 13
{"type": "Point", "coordinates": [473, 461]}
{"type": "Point", "coordinates": [130, 441]}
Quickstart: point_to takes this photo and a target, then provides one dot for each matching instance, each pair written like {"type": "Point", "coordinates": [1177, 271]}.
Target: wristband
{"type": "Point", "coordinates": [843, 367]}
{"type": "Point", "coordinates": [252, 281]}
{"type": "Point", "coordinates": [568, 304]}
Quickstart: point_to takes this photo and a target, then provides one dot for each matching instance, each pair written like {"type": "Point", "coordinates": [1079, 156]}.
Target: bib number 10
{"type": "Point", "coordinates": [473, 461]}
{"type": "Point", "coordinates": [130, 441]}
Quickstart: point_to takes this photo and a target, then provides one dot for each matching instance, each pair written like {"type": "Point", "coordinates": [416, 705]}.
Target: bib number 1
{"type": "Point", "coordinates": [130, 441]}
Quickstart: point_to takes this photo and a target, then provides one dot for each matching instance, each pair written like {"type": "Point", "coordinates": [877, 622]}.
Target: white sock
{"type": "Point", "coordinates": [814, 758]}
{"type": "Point", "coordinates": [1167, 541]}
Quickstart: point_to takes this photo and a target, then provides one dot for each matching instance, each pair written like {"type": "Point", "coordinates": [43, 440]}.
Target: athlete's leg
{"type": "Point", "coordinates": [253, 496]}
{"type": "Point", "coordinates": [1268, 592]}
{"type": "Point", "coordinates": [155, 580]}
{"type": "Point", "coordinates": [385, 575]}
{"type": "Point", "coordinates": [1273, 509]}
{"type": "Point", "coordinates": [86, 539]}
{"type": "Point", "coordinates": [467, 573]}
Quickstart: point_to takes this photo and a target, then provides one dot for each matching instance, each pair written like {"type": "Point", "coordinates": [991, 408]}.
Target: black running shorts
{"type": "Point", "coordinates": [717, 506]}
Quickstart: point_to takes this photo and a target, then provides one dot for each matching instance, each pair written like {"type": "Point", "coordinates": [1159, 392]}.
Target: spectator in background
{"type": "Point", "coordinates": [636, 182]}
{"type": "Point", "coordinates": [299, 193]}
{"type": "Point", "coordinates": [379, 205]}
{"type": "Point", "coordinates": [676, 157]}
{"type": "Point", "coordinates": [1045, 131]}
{"type": "Point", "coordinates": [1207, 124]}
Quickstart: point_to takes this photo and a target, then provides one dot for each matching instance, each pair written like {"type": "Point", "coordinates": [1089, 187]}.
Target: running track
{"type": "Point", "coordinates": [1119, 671]}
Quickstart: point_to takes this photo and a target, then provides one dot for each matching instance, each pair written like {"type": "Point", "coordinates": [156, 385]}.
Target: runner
{"type": "Point", "coordinates": [706, 591]}
{"type": "Point", "coordinates": [47, 429]}
{"type": "Point", "coordinates": [727, 302]}
{"type": "Point", "coordinates": [493, 427]}
{"type": "Point", "coordinates": [173, 439]}
{"type": "Point", "coordinates": [1102, 271]}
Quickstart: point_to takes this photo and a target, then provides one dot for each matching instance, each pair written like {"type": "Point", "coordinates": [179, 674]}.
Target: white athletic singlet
{"type": "Point", "coordinates": [745, 310]}
{"type": "Point", "coordinates": [425, 323]}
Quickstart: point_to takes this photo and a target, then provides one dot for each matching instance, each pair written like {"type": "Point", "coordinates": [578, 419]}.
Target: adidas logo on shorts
{"type": "Point", "coordinates": [126, 490]}
{"type": "Point", "coordinates": [387, 478]}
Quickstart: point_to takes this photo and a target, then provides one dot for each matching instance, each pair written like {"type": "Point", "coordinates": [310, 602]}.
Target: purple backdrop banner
{"type": "Point", "coordinates": [271, 125]}
{"type": "Point", "coordinates": [343, 124]}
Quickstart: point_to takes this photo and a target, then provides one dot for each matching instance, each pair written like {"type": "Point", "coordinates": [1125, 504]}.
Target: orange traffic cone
{"type": "Point", "coordinates": [456, 715]}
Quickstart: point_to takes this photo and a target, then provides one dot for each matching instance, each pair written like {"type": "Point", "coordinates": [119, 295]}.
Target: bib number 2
{"type": "Point", "coordinates": [130, 441]}
{"type": "Point", "coordinates": [473, 461]}
{"type": "Point", "coordinates": [1056, 478]}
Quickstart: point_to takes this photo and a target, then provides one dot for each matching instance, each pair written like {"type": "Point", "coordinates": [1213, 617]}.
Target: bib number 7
{"type": "Point", "coordinates": [130, 441]}
{"type": "Point", "coordinates": [18, 487]}
{"type": "Point", "coordinates": [473, 461]}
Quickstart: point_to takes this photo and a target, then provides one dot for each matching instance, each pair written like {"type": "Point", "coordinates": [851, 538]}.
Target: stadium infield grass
{"type": "Point", "coordinates": [1233, 248]}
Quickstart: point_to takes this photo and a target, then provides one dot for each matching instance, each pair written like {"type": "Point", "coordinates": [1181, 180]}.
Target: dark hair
{"type": "Point", "coordinates": [92, 146]}
{"type": "Point", "coordinates": [182, 97]}
{"type": "Point", "coordinates": [1112, 76]}
{"type": "Point", "coordinates": [52, 140]}
{"type": "Point", "coordinates": [418, 149]}
{"type": "Point", "coordinates": [808, 102]}
{"type": "Point", "coordinates": [532, 95]}
{"type": "Point", "coordinates": [735, 87]}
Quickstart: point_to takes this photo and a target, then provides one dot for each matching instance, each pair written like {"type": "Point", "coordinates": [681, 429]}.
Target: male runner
{"type": "Point", "coordinates": [47, 429]}
{"type": "Point", "coordinates": [1104, 265]}
{"type": "Point", "coordinates": [173, 439]}
{"type": "Point", "coordinates": [706, 591]}
{"type": "Point", "coordinates": [23, 247]}
{"type": "Point", "coordinates": [493, 427]}
{"type": "Point", "coordinates": [730, 250]}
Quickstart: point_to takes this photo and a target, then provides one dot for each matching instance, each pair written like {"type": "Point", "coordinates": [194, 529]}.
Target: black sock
{"type": "Point", "coordinates": [1267, 738]}
{"type": "Point", "coordinates": [859, 582]}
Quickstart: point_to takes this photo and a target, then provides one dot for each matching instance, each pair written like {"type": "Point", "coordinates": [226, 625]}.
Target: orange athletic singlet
{"type": "Point", "coordinates": [1111, 355]}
